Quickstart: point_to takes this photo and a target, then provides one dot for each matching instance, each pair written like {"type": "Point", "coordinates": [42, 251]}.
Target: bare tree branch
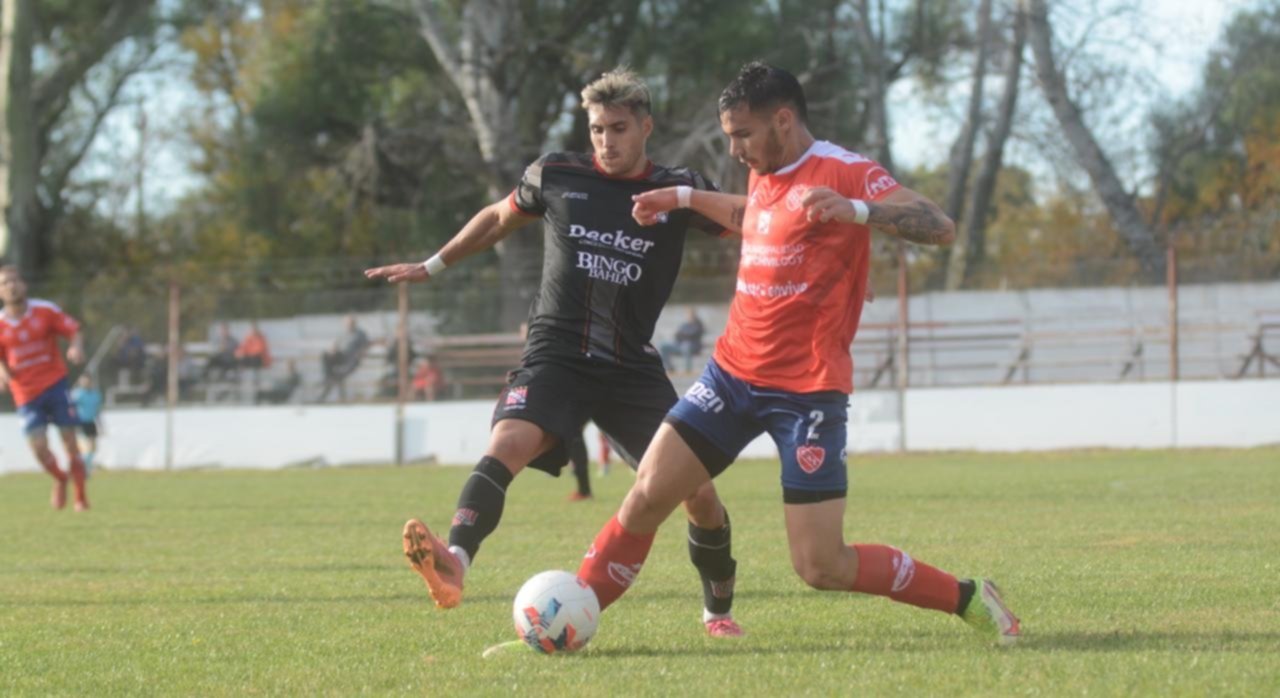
{"type": "Point", "coordinates": [1118, 201]}
{"type": "Point", "coordinates": [122, 19]}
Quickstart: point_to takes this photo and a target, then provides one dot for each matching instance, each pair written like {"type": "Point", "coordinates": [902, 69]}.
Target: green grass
{"type": "Point", "coordinates": [1135, 573]}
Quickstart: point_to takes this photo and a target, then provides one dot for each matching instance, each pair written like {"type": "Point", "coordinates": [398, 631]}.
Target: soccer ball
{"type": "Point", "coordinates": [555, 612]}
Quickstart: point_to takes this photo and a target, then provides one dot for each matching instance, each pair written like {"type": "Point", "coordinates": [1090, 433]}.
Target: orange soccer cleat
{"type": "Point", "coordinates": [431, 558]}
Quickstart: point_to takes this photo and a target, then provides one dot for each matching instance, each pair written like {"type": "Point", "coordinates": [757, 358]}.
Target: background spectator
{"type": "Point", "coordinates": [348, 350]}
{"type": "Point", "coordinates": [131, 354]}
{"type": "Point", "coordinates": [253, 352]}
{"type": "Point", "coordinates": [87, 400]}
{"type": "Point", "coordinates": [389, 382]}
{"type": "Point", "coordinates": [222, 360]}
{"type": "Point", "coordinates": [688, 342]}
{"type": "Point", "coordinates": [428, 380]}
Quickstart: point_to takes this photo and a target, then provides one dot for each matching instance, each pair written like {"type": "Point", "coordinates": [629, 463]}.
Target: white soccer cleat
{"type": "Point", "coordinates": [988, 615]}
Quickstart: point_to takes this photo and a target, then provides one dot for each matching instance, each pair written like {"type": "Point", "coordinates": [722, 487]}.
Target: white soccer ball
{"type": "Point", "coordinates": [555, 612]}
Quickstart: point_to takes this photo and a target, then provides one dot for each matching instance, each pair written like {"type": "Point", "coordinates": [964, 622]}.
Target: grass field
{"type": "Point", "coordinates": [1135, 573]}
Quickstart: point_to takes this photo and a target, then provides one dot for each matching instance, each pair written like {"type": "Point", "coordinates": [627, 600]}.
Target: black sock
{"type": "Point", "coordinates": [967, 588]}
{"type": "Point", "coordinates": [581, 466]}
{"type": "Point", "coordinates": [480, 505]}
{"type": "Point", "coordinates": [710, 552]}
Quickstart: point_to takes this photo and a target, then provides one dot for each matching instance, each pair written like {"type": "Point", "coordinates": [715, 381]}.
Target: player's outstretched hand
{"type": "Point", "coordinates": [651, 206]}
{"type": "Point", "coordinates": [75, 354]}
{"type": "Point", "coordinates": [823, 204]}
{"type": "Point", "coordinates": [396, 273]}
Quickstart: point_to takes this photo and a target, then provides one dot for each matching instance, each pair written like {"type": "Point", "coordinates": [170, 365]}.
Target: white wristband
{"type": "Point", "coordinates": [684, 193]}
{"type": "Point", "coordinates": [435, 265]}
{"type": "Point", "coordinates": [860, 211]}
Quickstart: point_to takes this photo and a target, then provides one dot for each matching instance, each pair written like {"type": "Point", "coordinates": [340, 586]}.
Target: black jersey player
{"type": "Point", "coordinates": [589, 354]}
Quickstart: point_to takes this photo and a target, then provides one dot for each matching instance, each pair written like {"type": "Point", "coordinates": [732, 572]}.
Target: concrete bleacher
{"type": "Point", "coordinates": [1054, 335]}
{"type": "Point", "coordinates": [954, 339]}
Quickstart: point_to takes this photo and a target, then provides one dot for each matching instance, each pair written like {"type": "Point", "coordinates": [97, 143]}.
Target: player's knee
{"type": "Point", "coordinates": [646, 506]}
{"type": "Point", "coordinates": [704, 507]}
{"type": "Point", "coordinates": [818, 574]}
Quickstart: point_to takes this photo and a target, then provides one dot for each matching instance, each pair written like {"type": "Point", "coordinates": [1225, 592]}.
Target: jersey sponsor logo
{"type": "Point", "coordinates": [756, 255]}
{"type": "Point", "coordinates": [763, 219]}
{"type": "Point", "coordinates": [810, 457]}
{"type": "Point", "coordinates": [624, 575]}
{"type": "Point", "coordinates": [771, 290]}
{"type": "Point", "coordinates": [606, 268]}
{"type": "Point", "coordinates": [580, 195]}
{"type": "Point", "coordinates": [464, 517]}
{"type": "Point", "coordinates": [904, 571]}
{"type": "Point", "coordinates": [618, 240]}
{"type": "Point", "coordinates": [879, 181]}
{"type": "Point", "coordinates": [517, 396]}
{"type": "Point", "coordinates": [34, 361]}
{"type": "Point", "coordinates": [704, 398]}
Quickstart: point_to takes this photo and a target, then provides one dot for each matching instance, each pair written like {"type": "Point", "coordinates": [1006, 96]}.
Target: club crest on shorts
{"type": "Point", "coordinates": [516, 396]}
{"type": "Point", "coordinates": [810, 457]}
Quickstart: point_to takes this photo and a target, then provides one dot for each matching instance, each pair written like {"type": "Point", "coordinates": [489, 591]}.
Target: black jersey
{"type": "Point", "coordinates": [605, 277]}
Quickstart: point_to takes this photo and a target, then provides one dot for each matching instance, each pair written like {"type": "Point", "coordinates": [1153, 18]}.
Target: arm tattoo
{"type": "Point", "coordinates": [917, 222]}
{"type": "Point", "coordinates": [737, 214]}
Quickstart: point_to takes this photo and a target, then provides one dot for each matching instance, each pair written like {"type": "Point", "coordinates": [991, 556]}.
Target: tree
{"type": "Point", "coordinates": [1120, 204]}
{"type": "Point", "coordinates": [509, 61]}
{"type": "Point", "coordinates": [56, 105]}
{"type": "Point", "coordinates": [970, 245]}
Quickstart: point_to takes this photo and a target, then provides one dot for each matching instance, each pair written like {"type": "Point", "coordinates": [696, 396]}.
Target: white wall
{"type": "Point", "coordinates": [1013, 418]}
{"type": "Point", "coordinates": [1142, 415]}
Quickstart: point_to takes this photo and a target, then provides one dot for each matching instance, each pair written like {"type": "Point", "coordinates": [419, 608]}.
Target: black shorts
{"type": "Point", "coordinates": [627, 404]}
{"type": "Point", "coordinates": [89, 429]}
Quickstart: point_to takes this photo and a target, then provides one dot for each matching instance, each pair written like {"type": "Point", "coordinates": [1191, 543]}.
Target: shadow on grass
{"type": "Point", "coordinates": [1129, 641]}
{"type": "Point", "coordinates": [721, 649]}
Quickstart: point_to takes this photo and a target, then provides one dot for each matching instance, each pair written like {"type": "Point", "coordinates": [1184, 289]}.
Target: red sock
{"type": "Point", "coordinates": [76, 466]}
{"type": "Point", "coordinates": [614, 560]}
{"type": "Point", "coordinates": [50, 464]}
{"type": "Point", "coordinates": [886, 571]}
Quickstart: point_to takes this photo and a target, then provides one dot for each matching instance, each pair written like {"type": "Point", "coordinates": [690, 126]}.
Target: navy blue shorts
{"type": "Point", "coordinates": [720, 414]}
{"type": "Point", "coordinates": [53, 406]}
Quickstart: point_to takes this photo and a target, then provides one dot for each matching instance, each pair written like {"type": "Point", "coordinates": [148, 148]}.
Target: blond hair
{"type": "Point", "coordinates": [619, 87]}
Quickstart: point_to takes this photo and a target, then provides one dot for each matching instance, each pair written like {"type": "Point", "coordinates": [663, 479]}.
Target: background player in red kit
{"type": "Point", "coordinates": [589, 352]}
{"type": "Point", "coordinates": [31, 367]}
{"type": "Point", "coordinates": [782, 365]}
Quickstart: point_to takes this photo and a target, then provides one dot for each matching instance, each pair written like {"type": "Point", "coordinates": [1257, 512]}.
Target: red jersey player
{"type": "Point", "coordinates": [782, 365]}
{"type": "Point", "coordinates": [31, 367]}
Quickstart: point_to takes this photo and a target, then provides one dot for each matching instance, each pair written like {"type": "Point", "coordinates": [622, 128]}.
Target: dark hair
{"type": "Point", "coordinates": [762, 86]}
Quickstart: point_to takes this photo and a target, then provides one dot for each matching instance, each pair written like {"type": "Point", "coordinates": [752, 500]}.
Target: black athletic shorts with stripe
{"type": "Point", "coordinates": [628, 404]}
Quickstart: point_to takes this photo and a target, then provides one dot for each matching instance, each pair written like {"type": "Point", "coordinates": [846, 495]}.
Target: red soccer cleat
{"type": "Point", "coordinates": [431, 558]}
{"type": "Point", "coordinates": [723, 627]}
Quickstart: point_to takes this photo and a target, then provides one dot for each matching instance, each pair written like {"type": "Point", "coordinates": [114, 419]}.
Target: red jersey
{"type": "Point", "coordinates": [800, 284]}
{"type": "Point", "coordinates": [29, 348]}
